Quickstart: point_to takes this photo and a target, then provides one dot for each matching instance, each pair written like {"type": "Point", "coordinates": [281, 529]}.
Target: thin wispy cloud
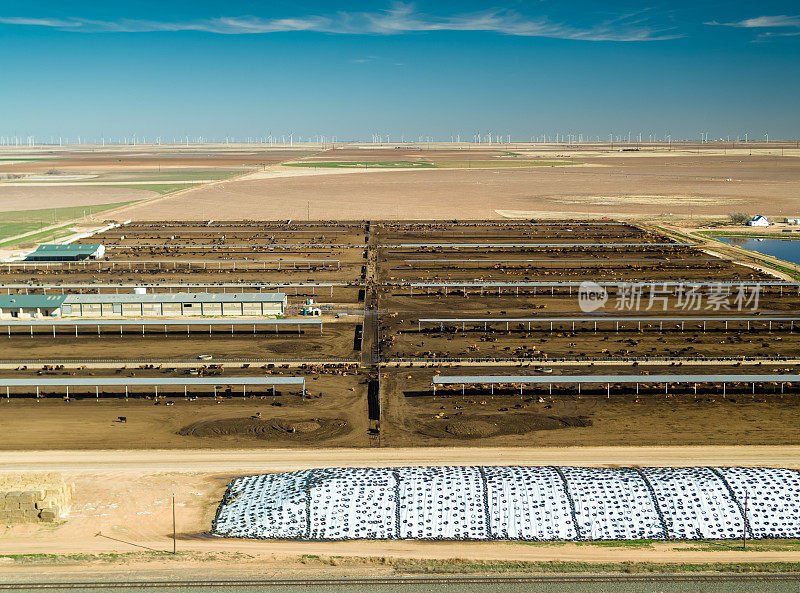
{"type": "Point", "coordinates": [760, 22]}
{"type": "Point", "coordinates": [400, 19]}
{"type": "Point", "coordinates": [779, 23]}
{"type": "Point", "coordinates": [55, 23]}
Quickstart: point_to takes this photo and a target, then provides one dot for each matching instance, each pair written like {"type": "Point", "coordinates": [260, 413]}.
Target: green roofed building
{"type": "Point", "coordinates": [31, 305]}
{"type": "Point", "coordinates": [70, 252]}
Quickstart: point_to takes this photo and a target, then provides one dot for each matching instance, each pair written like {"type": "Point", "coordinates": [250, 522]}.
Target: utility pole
{"type": "Point", "coordinates": [174, 541]}
{"type": "Point", "coordinates": [744, 527]}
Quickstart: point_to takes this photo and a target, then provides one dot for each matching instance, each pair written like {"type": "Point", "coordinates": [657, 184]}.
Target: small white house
{"type": "Point", "coordinates": [758, 220]}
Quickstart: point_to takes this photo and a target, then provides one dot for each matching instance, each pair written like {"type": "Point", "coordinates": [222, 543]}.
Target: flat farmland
{"type": "Point", "coordinates": [685, 185]}
{"type": "Point", "coordinates": [148, 157]}
{"type": "Point", "coordinates": [43, 198]}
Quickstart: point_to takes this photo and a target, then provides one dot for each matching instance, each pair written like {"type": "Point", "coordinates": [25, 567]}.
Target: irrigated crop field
{"type": "Point", "coordinates": [403, 303]}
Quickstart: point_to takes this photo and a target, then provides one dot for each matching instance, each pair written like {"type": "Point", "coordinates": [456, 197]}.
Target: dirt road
{"type": "Point", "coordinates": [238, 461]}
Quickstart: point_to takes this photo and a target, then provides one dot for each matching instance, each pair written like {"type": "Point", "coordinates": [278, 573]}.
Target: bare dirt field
{"type": "Point", "coordinates": [41, 198]}
{"type": "Point", "coordinates": [700, 185]}
{"type": "Point", "coordinates": [152, 157]}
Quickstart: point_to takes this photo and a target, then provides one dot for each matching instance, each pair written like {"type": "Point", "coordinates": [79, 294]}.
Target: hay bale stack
{"type": "Point", "coordinates": [33, 497]}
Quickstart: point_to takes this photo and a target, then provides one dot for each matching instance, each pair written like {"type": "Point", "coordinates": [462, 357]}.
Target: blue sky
{"type": "Point", "coordinates": [351, 69]}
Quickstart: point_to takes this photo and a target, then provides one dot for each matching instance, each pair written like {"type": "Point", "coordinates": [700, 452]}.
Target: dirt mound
{"type": "Point", "coordinates": [472, 428]}
{"type": "Point", "coordinates": [477, 427]}
{"type": "Point", "coordinates": [306, 426]}
{"type": "Point", "coordinates": [260, 428]}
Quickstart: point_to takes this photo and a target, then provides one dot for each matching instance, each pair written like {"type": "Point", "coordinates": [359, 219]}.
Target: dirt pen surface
{"type": "Point", "coordinates": [333, 411]}
{"type": "Point", "coordinates": [383, 339]}
{"type": "Point", "coordinates": [564, 417]}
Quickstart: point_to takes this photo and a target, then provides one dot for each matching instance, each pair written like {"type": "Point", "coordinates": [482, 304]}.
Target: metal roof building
{"type": "Point", "coordinates": [70, 252]}
{"type": "Point", "coordinates": [143, 305]}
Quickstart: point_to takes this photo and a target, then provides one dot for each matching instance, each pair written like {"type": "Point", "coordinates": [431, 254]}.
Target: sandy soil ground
{"type": "Point", "coordinates": [692, 185]}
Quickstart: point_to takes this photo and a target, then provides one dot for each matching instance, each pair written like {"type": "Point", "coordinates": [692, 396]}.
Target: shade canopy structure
{"type": "Point", "coordinates": [613, 284]}
{"type": "Point", "coordinates": [153, 285]}
{"type": "Point", "coordinates": [127, 383]}
{"type": "Point", "coordinates": [245, 246]}
{"type": "Point", "coordinates": [127, 230]}
{"type": "Point", "coordinates": [559, 260]}
{"type": "Point", "coordinates": [223, 287]}
{"type": "Point", "coordinates": [643, 318]}
{"type": "Point", "coordinates": [174, 325]}
{"type": "Point", "coordinates": [526, 245]}
{"type": "Point", "coordinates": [153, 322]}
{"type": "Point", "coordinates": [677, 285]}
{"type": "Point", "coordinates": [599, 379]}
{"type": "Point", "coordinates": [609, 380]}
{"type": "Point", "coordinates": [599, 321]}
{"type": "Point", "coordinates": [174, 264]}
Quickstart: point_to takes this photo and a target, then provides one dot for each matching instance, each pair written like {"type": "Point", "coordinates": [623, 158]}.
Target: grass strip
{"type": "Point", "coordinates": [778, 236]}
{"type": "Point", "coordinates": [56, 215]}
{"type": "Point", "coordinates": [159, 188]}
{"type": "Point", "coordinates": [49, 235]}
{"type": "Point", "coordinates": [469, 567]}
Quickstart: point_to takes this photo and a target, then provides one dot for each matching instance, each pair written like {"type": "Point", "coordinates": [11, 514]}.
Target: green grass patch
{"type": "Point", "coordinates": [159, 188]}
{"type": "Point", "coordinates": [47, 236]}
{"type": "Point", "coordinates": [755, 545]}
{"type": "Point", "coordinates": [17, 222]}
{"type": "Point", "coordinates": [27, 159]}
{"type": "Point", "coordinates": [12, 229]}
{"type": "Point", "coordinates": [173, 175]}
{"type": "Point", "coordinates": [498, 164]}
{"type": "Point", "coordinates": [362, 165]}
{"type": "Point", "coordinates": [56, 215]}
{"type": "Point", "coordinates": [466, 566]}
